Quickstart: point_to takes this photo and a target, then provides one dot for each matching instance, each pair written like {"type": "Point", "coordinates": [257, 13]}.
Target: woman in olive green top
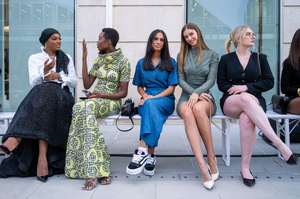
{"type": "Point", "coordinates": [197, 71]}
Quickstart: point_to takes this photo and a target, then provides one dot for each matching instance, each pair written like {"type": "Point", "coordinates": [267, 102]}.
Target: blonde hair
{"type": "Point", "coordinates": [235, 36]}
{"type": "Point", "coordinates": [185, 47]}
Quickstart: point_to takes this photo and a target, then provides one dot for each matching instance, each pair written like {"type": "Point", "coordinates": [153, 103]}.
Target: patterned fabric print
{"type": "Point", "coordinates": [111, 69]}
{"type": "Point", "coordinates": [87, 155]}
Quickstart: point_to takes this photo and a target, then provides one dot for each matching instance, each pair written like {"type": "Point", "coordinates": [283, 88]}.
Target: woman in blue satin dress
{"type": "Point", "coordinates": [155, 78]}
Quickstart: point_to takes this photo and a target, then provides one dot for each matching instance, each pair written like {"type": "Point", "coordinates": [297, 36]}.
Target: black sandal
{"type": "Point", "coordinates": [5, 150]}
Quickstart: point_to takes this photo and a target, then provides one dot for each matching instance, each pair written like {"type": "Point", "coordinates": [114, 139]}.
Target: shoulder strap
{"type": "Point", "coordinates": [258, 64]}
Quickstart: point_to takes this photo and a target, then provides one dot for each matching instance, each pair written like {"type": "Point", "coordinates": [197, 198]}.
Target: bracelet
{"type": "Point", "coordinates": [298, 91]}
{"type": "Point", "coordinates": [143, 94]}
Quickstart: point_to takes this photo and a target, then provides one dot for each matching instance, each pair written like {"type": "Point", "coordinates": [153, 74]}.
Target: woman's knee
{"type": "Point", "coordinates": [248, 100]}
{"type": "Point", "coordinates": [186, 114]}
{"type": "Point", "coordinates": [200, 110]}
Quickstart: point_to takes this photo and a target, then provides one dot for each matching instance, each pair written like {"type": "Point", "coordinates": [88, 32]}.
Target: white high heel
{"type": "Point", "coordinates": [208, 185]}
{"type": "Point", "coordinates": [216, 175]}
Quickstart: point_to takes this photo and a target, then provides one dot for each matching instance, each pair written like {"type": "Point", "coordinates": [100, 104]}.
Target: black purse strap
{"type": "Point", "coordinates": [130, 117]}
{"type": "Point", "coordinates": [259, 64]}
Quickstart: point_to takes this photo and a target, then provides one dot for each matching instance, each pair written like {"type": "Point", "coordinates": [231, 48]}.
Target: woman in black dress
{"type": "Point", "coordinates": [35, 142]}
{"type": "Point", "coordinates": [242, 77]}
{"type": "Point", "coordinates": [290, 77]}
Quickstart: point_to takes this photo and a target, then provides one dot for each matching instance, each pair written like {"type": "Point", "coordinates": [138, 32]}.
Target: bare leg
{"type": "Point", "coordinates": [294, 106]}
{"type": "Point", "coordinates": [42, 166]}
{"type": "Point", "coordinates": [201, 113]}
{"type": "Point", "coordinates": [193, 135]}
{"type": "Point", "coordinates": [245, 102]}
{"type": "Point", "coordinates": [143, 144]}
{"type": "Point", "coordinates": [247, 139]}
{"type": "Point", "coordinates": [151, 150]}
{"type": "Point", "coordinates": [12, 142]}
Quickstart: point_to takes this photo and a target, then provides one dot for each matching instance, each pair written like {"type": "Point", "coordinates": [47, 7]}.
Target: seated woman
{"type": "Point", "coordinates": [242, 77]}
{"type": "Point", "coordinates": [35, 142]}
{"type": "Point", "coordinates": [290, 77]}
{"type": "Point", "coordinates": [87, 155]}
{"type": "Point", "coordinates": [155, 77]}
{"type": "Point", "coordinates": [197, 72]}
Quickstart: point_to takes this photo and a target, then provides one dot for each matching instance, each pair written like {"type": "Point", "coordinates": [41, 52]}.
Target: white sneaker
{"type": "Point", "coordinates": [137, 163]}
{"type": "Point", "coordinates": [149, 168]}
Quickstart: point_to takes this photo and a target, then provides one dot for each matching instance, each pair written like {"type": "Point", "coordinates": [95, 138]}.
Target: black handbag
{"type": "Point", "coordinates": [279, 104]}
{"type": "Point", "coordinates": [127, 109]}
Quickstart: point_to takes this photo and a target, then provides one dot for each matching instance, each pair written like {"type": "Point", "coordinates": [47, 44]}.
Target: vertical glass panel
{"type": "Point", "coordinates": [216, 19]}
{"type": "Point", "coordinates": [22, 22]}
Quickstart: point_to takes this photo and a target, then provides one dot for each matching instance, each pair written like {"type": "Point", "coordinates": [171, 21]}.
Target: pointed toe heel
{"type": "Point", "coordinates": [5, 150]}
{"type": "Point", "coordinates": [208, 185]}
{"type": "Point", "coordinates": [215, 176]}
{"type": "Point", "coordinates": [42, 178]}
{"type": "Point", "coordinates": [248, 182]}
{"type": "Point", "coordinates": [293, 160]}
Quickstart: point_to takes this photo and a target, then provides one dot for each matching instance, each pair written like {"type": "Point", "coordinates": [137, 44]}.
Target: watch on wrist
{"type": "Point", "coordinates": [60, 77]}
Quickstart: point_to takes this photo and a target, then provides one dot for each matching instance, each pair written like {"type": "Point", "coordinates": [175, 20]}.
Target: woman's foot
{"type": "Point", "coordinates": [104, 180]}
{"type": "Point", "coordinates": [215, 174]}
{"type": "Point", "coordinates": [5, 150]}
{"type": "Point", "coordinates": [42, 167]}
{"type": "Point", "coordinates": [288, 155]}
{"type": "Point", "coordinates": [207, 180]}
{"type": "Point", "coordinates": [248, 181]}
{"type": "Point", "coordinates": [90, 184]}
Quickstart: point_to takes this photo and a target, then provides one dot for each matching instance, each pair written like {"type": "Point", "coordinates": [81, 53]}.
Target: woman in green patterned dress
{"type": "Point", "coordinates": [87, 155]}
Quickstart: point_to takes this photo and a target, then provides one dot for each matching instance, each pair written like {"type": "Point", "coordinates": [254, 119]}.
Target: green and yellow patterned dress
{"type": "Point", "coordinates": [87, 155]}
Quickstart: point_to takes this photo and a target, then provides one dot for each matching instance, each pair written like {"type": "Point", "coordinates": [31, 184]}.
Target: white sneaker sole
{"type": "Point", "coordinates": [135, 171]}
{"type": "Point", "coordinates": [149, 173]}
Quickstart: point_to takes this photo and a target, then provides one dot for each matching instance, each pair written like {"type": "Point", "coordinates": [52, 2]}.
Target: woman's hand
{"type": "Point", "coordinates": [84, 49]}
{"type": "Point", "coordinates": [52, 76]}
{"type": "Point", "coordinates": [193, 100]}
{"type": "Point", "coordinates": [146, 96]}
{"type": "Point", "coordinates": [235, 89]}
{"type": "Point", "coordinates": [49, 65]}
{"type": "Point", "coordinates": [141, 102]}
{"type": "Point", "coordinates": [95, 95]}
{"type": "Point", "coordinates": [205, 97]}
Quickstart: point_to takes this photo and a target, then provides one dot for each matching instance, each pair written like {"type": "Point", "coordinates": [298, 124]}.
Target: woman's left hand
{"type": "Point", "coordinates": [95, 95]}
{"type": "Point", "coordinates": [52, 76]}
{"type": "Point", "coordinates": [235, 89]}
{"type": "Point", "coordinates": [205, 97]}
{"type": "Point", "coordinates": [141, 102]}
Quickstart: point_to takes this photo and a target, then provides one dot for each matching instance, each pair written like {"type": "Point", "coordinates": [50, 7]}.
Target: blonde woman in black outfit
{"type": "Point", "coordinates": [290, 77]}
{"type": "Point", "coordinates": [242, 81]}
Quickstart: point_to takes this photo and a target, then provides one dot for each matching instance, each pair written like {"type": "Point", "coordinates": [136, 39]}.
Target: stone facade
{"type": "Point", "coordinates": [135, 19]}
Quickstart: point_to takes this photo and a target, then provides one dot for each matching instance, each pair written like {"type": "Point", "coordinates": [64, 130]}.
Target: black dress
{"type": "Point", "coordinates": [44, 114]}
{"type": "Point", "coordinates": [290, 80]}
{"type": "Point", "coordinates": [258, 80]}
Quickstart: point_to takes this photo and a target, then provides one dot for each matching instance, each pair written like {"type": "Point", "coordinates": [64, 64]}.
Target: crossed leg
{"type": "Point", "coordinates": [246, 107]}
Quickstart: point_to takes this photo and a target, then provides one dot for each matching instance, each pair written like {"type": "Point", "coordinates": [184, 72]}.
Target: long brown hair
{"type": "Point", "coordinates": [294, 54]}
{"type": "Point", "coordinates": [185, 47]}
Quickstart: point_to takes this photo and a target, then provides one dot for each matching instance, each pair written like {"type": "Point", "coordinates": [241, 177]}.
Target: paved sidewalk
{"type": "Point", "coordinates": [176, 177]}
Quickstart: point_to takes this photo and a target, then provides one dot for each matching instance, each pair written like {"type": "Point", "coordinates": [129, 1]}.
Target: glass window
{"type": "Point", "coordinates": [21, 24]}
{"type": "Point", "coordinates": [216, 19]}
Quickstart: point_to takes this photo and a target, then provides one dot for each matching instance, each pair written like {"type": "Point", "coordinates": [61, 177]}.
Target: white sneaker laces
{"type": "Point", "coordinates": [150, 160]}
{"type": "Point", "coordinates": [137, 158]}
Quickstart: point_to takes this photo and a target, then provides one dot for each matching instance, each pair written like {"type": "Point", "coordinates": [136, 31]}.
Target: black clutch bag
{"type": "Point", "coordinates": [279, 104]}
